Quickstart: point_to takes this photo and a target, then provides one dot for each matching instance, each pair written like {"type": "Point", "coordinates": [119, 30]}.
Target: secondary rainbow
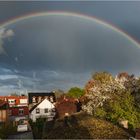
{"type": "Point", "coordinates": [12, 21]}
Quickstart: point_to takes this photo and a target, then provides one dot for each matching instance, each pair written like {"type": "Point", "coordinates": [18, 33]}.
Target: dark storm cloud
{"type": "Point", "coordinates": [47, 54]}
{"type": "Point", "coordinates": [119, 13]}
{"type": "Point", "coordinates": [68, 44]}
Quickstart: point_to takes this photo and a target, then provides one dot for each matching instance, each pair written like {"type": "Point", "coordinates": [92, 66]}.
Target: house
{"type": "Point", "coordinates": [15, 101]}
{"type": "Point", "coordinates": [18, 113]}
{"type": "Point", "coordinates": [44, 109]}
{"type": "Point", "coordinates": [36, 97]}
{"type": "Point", "coordinates": [18, 107]}
{"type": "Point", "coordinates": [66, 106]}
{"type": "Point", "coordinates": [4, 117]}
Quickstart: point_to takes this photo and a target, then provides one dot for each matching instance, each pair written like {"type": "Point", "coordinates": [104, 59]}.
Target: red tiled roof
{"type": "Point", "coordinates": [2, 103]}
{"type": "Point", "coordinates": [11, 97]}
{"type": "Point", "coordinates": [17, 98]}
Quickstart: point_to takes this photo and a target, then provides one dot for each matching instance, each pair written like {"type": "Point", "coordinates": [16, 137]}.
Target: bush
{"type": "Point", "coordinates": [123, 107]}
{"type": "Point", "coordinates": [113, 98]}
{"type": "Point", "coordinates": [37, 127]}
{"type": "Point", "coordinates": [100, 112]}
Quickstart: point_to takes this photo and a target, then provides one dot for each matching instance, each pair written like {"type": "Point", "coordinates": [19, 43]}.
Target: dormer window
{"type": "Point", "coordinates": [51, 99]}
{"type": "Point", "coordinates": [11, 101]}
{"type": "Point", "coordinates": [33, 100]}
{"type": "Point", "coordinates": [39, 99]}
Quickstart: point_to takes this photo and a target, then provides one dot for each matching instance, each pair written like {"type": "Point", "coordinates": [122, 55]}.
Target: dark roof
{"type": "Point", "coordinates": [34, 107]}
{"type": "Point", "coordinates": [65, 99]}
{"type": "Point", "coordinates": [37, 94]}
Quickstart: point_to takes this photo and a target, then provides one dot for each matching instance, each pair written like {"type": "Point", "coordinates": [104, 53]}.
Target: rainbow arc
{"type": "Point", "coordinates": [91, 18]}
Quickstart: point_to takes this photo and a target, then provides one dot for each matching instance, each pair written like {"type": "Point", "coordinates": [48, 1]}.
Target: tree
{"type": "Point", "coordinates": [136, 94]}
{"type": "Point", "coordinates": [105, 86]}
{"type": "Point", "coordinates": [75, 92]}
{"type": "Point", "coordinates": [130, 82]}
{"type": "Point", "coordinates": [102, 77]}
{"type": "Point", "coordinates": [112, 99]}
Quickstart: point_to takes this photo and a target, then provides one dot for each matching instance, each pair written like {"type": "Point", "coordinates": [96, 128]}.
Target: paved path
{"type": "Point", "coordinates": [24, 135]}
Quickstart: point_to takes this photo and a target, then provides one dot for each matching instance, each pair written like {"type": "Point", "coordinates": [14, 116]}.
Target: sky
{"type": "Point", "coordinates": [45, 53]}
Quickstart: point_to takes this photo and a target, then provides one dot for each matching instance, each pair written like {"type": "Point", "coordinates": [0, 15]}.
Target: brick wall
{"type": "Point", "coordinates": [66, 107]}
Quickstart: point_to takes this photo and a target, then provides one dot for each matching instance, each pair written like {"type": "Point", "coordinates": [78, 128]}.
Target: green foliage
{"type": "Point", "coordinates": [75, 92]}
{"type": "Point", "coordinates": [122, 107]}
{"type": "Point", "coordinates": [100, 112]}
{"type": "Point", "coordinates": [37, 127]}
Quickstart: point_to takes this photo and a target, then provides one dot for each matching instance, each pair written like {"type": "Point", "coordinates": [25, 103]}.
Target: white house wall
{"type": "Point", "coordinates": [45, 104]}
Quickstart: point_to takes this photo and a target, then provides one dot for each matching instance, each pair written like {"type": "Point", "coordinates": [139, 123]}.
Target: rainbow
{"type": "Point", "coordinates": [91, 18]}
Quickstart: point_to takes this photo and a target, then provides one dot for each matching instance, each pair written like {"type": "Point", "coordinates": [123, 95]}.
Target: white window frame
{"type": "Point", "coordinates": [37, 110]}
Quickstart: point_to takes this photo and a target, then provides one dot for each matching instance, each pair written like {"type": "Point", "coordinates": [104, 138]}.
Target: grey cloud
{"type": "Point", "coordinates": [45, 80]}
{"type": "Point", "coordinates": [3, 35]}
{"type": "Point", "coordinates": [52, 52]}
{"type": "Point", "coordinates": [68, 44]}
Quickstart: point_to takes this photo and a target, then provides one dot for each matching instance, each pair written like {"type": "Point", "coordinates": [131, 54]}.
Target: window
{"type": "Point", "coordinates": [33, 99]}
{"type": "Point", "coordinates": [39, 99]}
{"type": "Point", "coordinates": [51, 99]}
{"type": "Point", "coordinates": [23, 101]}
{"type": "Point", "coordinates": [46, 110]}
{"type": "Point", "coordinates": [21, 111]}
{"type": "Point", "coordinates": [37, 111]}
{"type": "Point", "coordinates": [11, 101]}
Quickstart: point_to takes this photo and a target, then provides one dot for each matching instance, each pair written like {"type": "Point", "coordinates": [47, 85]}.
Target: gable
{"type": "Point", "coordinates": [44, 104]}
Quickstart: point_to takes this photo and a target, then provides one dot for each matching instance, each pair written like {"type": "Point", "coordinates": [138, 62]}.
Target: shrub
{"type": "Point", "coordinates": [123, 108]}
{"type": "Point", "coordinates": [100, 112]}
